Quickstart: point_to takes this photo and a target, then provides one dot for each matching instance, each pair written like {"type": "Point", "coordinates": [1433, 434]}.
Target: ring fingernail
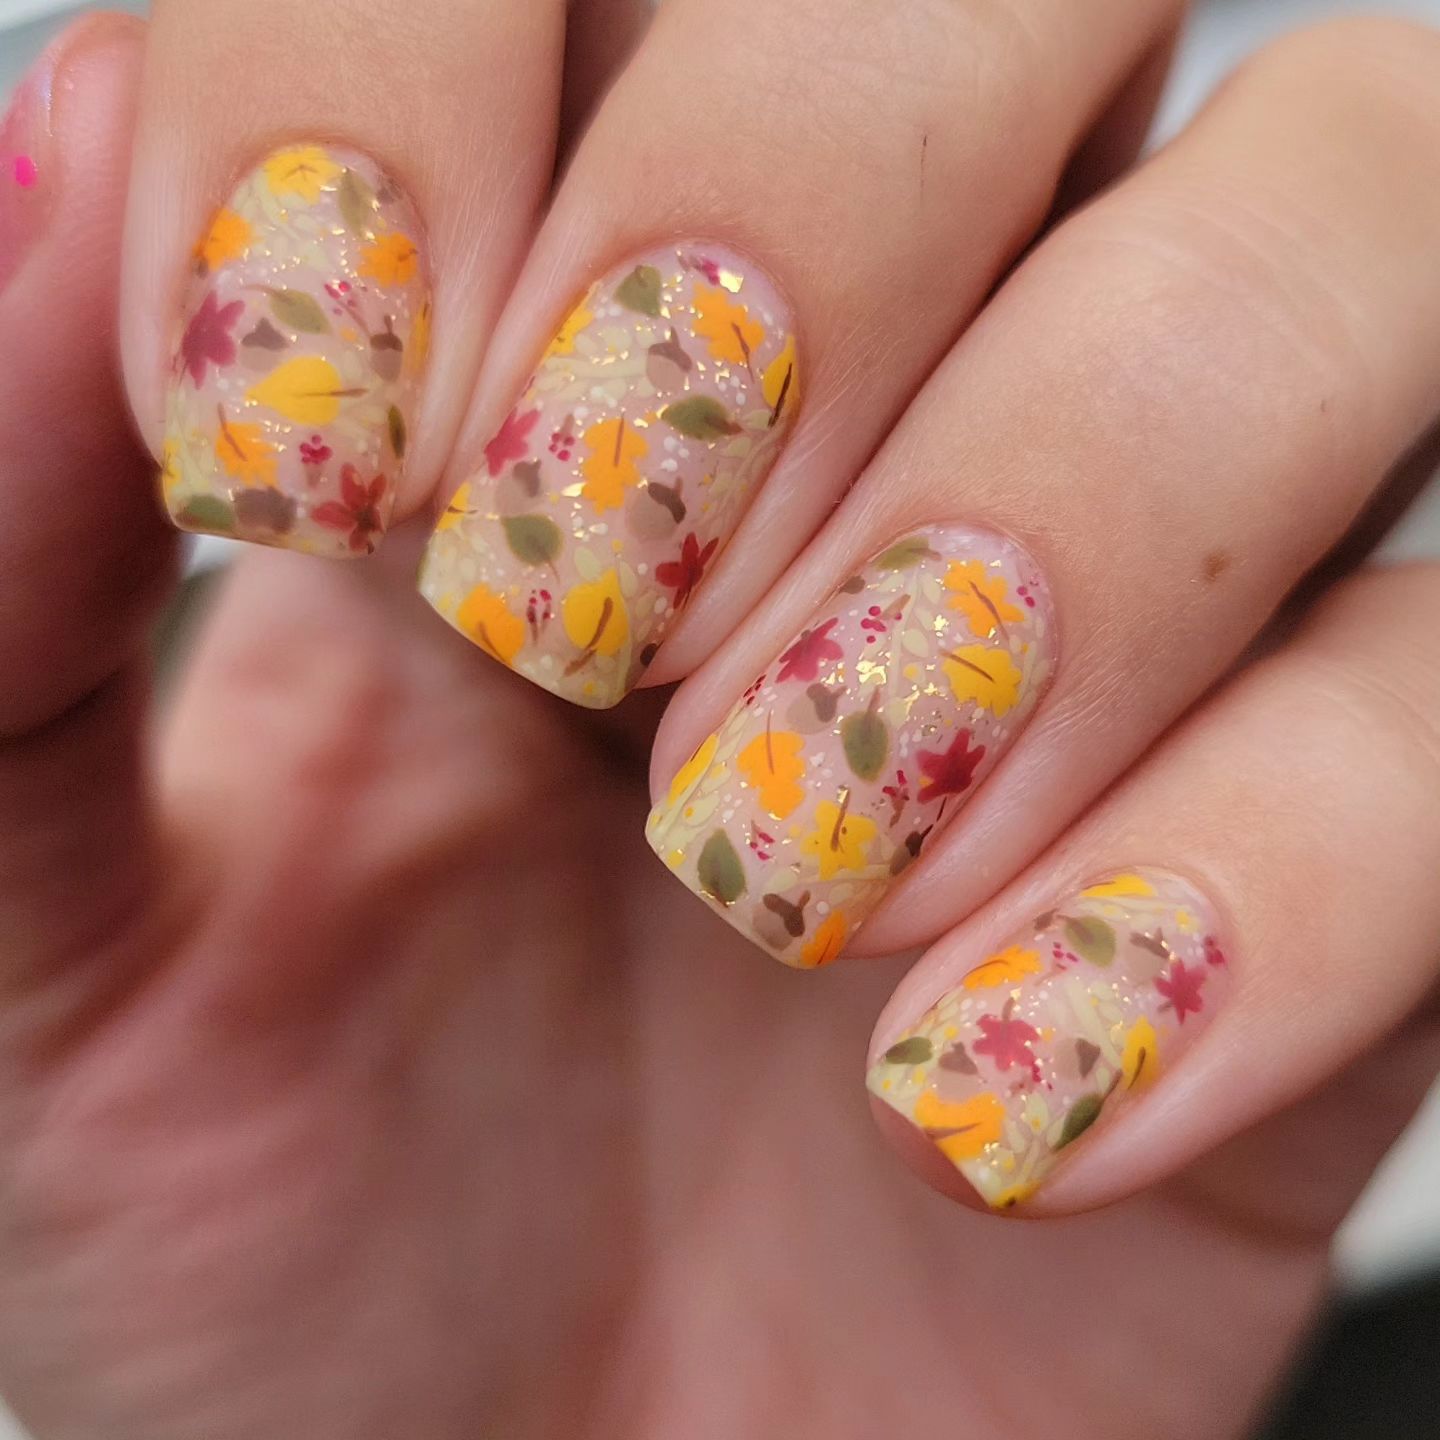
{"type": "Point", "coordinates": [299, 358]}
{"type": "Point", "coordinates": [867, 736]}
{"type": "Point", "coordinates": [1058, 1030]}
{"type": "Point", "coordinates": [626, 464]}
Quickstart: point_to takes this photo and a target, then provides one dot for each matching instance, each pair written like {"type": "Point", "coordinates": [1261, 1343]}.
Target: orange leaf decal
{"type": "Point", "coordinates": [733, 336]}
{"type": "Point", "coordinates": [826, 943]}
{"type": "Point", "coordinates": [772, 763]}
{"type": "Point", "coordinates": [615, 446]}
{"type": "Point", "coordinates": [1005, 968]}
{"type": "Point", "coordinates": [982, 597]}
{"type": "Point", "coordinates": [245, 453]}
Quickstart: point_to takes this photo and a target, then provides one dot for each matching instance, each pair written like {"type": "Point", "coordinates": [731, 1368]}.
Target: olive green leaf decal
{"type": "Point", "coordinates": [535, 539]}
{"type": "Point", "coordinates": [721, 876]}
{"type": "Point", "coordinates": [640, 290]}
{"type": "Point", "coordinates": [914, 1051]}
{"type": "Point", "coordinates": [357, 204]}
{"type": "Point", "coordinates": [206, 512]}
{"type": "Point", "coordinates": [398, 432]}
{"type": "Point", "coordinates": [701, 417]}
{"type": "Point", "coordinates": [904, 553]}
{"type": "Point", "coordinates": [1083, 1114]}
{"type": "Point", "coordinates": [866, 740]}
{"type": "Point", "coordinates": [299, 311]}
{"type": "Point", "coordinates": [1091, 939]}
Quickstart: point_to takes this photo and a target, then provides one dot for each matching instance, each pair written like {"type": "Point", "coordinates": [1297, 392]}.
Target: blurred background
{"type": "Point", "coordinates": [1373, 1369]}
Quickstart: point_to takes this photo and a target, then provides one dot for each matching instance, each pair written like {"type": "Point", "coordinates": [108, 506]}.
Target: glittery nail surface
{"type": "Point", "coordinates": [1059, 1029]}
{"type": "Point", "coordinates": [299, 358]}
{"type": "Point", "coordinates": [626, 464]}
{"type": "Point", "coordinates": [847, 756]}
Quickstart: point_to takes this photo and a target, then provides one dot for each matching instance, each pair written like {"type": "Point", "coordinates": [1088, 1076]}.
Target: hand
{"type": "Point", "coordinates": [366, 1075]}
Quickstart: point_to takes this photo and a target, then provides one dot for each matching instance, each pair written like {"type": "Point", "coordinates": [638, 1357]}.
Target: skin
{"type": "Point", "coordinates": [363, 1074]}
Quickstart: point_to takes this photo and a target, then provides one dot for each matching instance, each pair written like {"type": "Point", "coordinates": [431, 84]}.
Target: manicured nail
{"type": "Point", "coordinates": [848, 755]}
{"type": "Point", "coordinates": [629, 458]}
{"type": "Point", "coordinates": [26, 179]}
{"type": "Point", "coordinates": [299, 358]}
{"type": "Point", "coordinates": [1057, 1031]}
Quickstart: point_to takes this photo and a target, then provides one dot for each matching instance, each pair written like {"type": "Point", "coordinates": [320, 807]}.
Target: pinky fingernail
{"type": "Point", "coordinates": [25, 179]}
{"type": "Point", "coordinates": [1058, 1030]}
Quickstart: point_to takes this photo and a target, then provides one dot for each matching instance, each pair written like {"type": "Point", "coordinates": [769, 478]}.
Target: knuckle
{"type": "Point", "coordinates": [1378, 676]}
{"type": "Point", "coordinates": [1371, 72]}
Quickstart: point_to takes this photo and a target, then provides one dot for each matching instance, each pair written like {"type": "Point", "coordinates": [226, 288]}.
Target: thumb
{"type": "Point", "coordinates": [84, 554]}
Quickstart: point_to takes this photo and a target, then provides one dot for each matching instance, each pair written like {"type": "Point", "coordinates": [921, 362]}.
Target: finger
{"type": "Point", "coordinates": [302, 220]}
{"type": "Point", "coordinates": [600, 38]}
{"type": "Point", "coordinates": [1246, 916]}
{"type": "Point", "coordinates": [84, 558]}
{"type": "Point", "coordinates": [1175, 407]}
{"type": "Point", "coordinates": [783, 251]}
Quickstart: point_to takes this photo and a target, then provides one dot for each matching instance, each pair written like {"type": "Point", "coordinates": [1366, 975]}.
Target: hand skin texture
{"type": "Point", "coordinates": [363, 1075]}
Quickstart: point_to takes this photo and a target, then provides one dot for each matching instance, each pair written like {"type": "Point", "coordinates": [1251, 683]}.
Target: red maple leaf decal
{"type": "Point", "coordinates": [949, 772]}
{"type": "Point", "coordinates": [805, 657]}
{"type": "Point", "coordinates": [683, 575]}
{"type": "Point", "coordinates": [207, 339]}
{"type": "Point", "coordinates": [358, 510]}
{"type": "Point", "coordinates": [512, 440]}
{"type": "Point", "coordinates": [1007, 1042]}
{"type": "Point", "coordinates": [1181, 988]}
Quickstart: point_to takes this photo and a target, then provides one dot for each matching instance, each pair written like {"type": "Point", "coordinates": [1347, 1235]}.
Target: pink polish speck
{"type": "Point", "coordinates": [25, 171]}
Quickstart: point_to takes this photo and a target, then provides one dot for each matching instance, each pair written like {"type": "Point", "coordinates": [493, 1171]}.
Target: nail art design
{"type": "Point", "coordinates": [635, 448]}
{"type": "Point", "coordinates": [299, 358]}
{"type": "Point", "coordinates": [843, 760]}
{"type": "Point", "coordinates": [26, 188]}
{"type": "Point", "coordinates": [1056, 1031]}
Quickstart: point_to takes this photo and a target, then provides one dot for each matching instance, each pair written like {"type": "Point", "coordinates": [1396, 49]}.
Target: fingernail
{"type": "Point", "coordinates": [846, 758]}
{"type": "Point", "coordinates": [1059, 1030]}
{"type": "Point", "coordinates": [634, 449]}
{"type": "Point", "coordinates": [26, 163]}
{"type": "Point", "coordinates": [299, 357]}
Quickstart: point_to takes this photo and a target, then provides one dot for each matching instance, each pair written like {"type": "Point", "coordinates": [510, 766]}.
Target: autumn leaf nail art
{"type": "Point", "coordinates": [606, 494]}
{"type": "Point", "coordinates": [862, 741]}
{"type": "Point", "coordinates": [1059, 1029]}
{"type": "Point", "coordinates": [299, 358]}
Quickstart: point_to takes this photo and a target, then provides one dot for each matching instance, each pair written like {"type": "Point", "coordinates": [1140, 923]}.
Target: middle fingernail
{"type": "Point", "coordinates": [636, 446]}
{"type": "Point", "coordinates": [842, 761]}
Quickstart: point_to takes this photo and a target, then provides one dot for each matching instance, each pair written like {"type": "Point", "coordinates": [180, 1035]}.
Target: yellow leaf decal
{"type": "Point", "coordinates": [731, 333]}
{"type": "Point", "coordinates": [772, 763]}
{"type": "Point", "coordinates": [392, 260]}
{"type": "Point", "coordinates": [1013, 1195]}
{"type": "Point", "coordinates": [419, 348]}
{"type": "Point", "coordinates": [961, 1129]}
{"type": "Point", "coordinates": [456, 511]}
{"type": "Point", "coordinates": [839, 841]}
{"type": "Point", "coordinates": [564, 341]}
{"type": "Point", "coordinates": [981, 596]}
{"type": "Point", "coordinates": [170, 468]}
{"type": "Point", "coordinates": [303, 171]}
{"type": "Point", "coordinates": [985, 675]}
{"type": "Point", "coordinates": [1120, 888]}
{"type": "Point", "coordinates": [1140, 1063]}
{"type": "Point", "coordinates": [245, 453]}
{"type": "Point", "coordinates": [1005, 968]}
{"type": "Point", "coordinates": [487, 620]}
{"type": "Point", "coordinates": [692, 770]}
{"type": "Point", "coordinates": [615, 446]}
{"type": "Point", "coordinates": [595, 619]}
{"type": "Point", "coordinates": [781, 382]}
{"type": "Point", "coordinates": [826, 943]}
{"type": "Point", "coordinates": [307, 391]}
{"type": "Point", "coordinates": [228, 239]}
